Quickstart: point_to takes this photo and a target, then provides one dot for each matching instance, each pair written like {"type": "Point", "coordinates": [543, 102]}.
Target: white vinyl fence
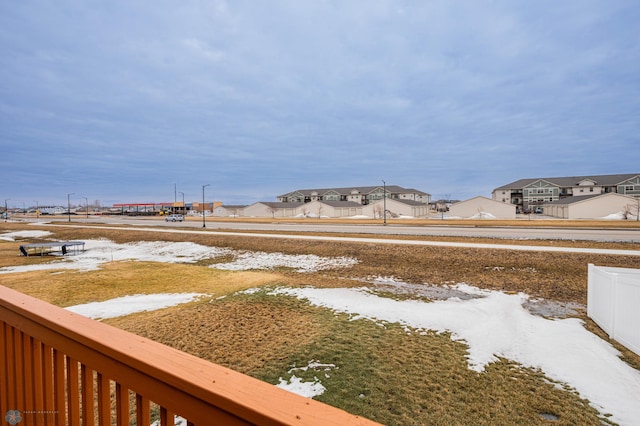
{"type": "Point", "coordinates": [613, 302]}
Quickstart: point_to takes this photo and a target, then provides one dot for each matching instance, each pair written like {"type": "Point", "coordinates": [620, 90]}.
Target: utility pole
{"type": "Point", "coordinates": [204, 225]}
{"type": "Point", "coordinates": [384, 201]}
{"type": "Point", "coordinates": [69, 205]}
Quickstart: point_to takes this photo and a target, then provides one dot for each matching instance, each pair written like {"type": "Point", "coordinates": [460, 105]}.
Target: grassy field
{"type": "Point", "coordinates": [385, 373]}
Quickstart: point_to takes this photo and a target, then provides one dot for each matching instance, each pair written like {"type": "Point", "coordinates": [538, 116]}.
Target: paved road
{"type": "Point", "coordinates": [534, 232]}
{"type": "Point", "coordinates": [305, 236]}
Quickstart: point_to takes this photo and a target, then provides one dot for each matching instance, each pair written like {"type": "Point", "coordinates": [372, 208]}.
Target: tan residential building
{"type": "Point", "coordinates": [530, 195]}
{"type": "Point", "coordinates": [596, 206]}
{"type": "Point", "coordinates": [271, 209]}
{"type": "Point", "coordinates": [229, 210]}
{"type": "Point", "coordinates": [482, 208]}
{"type": "Point", "coordinates": [397, 208]}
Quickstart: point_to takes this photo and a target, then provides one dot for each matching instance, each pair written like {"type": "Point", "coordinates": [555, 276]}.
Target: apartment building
{"type": "Point", "coordinates": [530, 195]}
{"type": "Point", "coordinates": [362, 195]}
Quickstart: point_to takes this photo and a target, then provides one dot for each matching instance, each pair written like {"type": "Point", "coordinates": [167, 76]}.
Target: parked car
{"type": "Point", "coordinates": [174, 218]}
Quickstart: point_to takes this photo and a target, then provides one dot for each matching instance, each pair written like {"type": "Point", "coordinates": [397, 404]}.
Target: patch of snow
{"type": "Point", "coordinates": [126, 305]}
{"type": "Point", "coordinates": [102, 251]}
{"type": "Point", "coordinates": [297, 386]}
{"type": "Point", "coordinates": [483, 215]}
{"type": "Point", "coordinates": [11, 236]}
{"type": "Point", "coordinates": [497, 325]}
{"type": "Point", "coordinates": [614, 216]}
{"type": "Point", "coordinates": [299, 262]}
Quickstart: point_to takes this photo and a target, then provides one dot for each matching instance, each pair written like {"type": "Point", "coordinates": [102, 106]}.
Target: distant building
{"type": "Point", "coordinates": [52, 210]}
{"type": "Point", "coordinates": [362, 195]}
{"type": "Point", "coordinates": [482, 208]}
{"type": "Point", "coordinates": [229, 210]}
{"type": "Point", "coordinates": [597, 206]}
{"type": "Point", "coordinates": [530, 195]}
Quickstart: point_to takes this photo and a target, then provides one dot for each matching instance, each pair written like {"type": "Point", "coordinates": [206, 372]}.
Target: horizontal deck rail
{"type": "Point", "coordinates": [60, 368]}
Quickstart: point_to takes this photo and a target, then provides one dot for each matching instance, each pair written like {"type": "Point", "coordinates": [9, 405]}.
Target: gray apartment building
{"type": "Point", "coordinates": [363, 195]}
{"type": "Point", "coordinates": [529, 195]}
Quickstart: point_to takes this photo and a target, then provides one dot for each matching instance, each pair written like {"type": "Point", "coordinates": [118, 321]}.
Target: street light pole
{"type": "Point", "coordinates": [204, 225]}
{"type": "Point", "coordinates": [69, 205]}
{"type": "Point", "coordinates": [384, 201]}
{"type": "Point", "coordinates": [86, 203]}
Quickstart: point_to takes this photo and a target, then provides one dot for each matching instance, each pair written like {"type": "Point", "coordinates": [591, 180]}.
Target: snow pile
{"type": "Point", "coordinates": [483, 215]}
{"type": "Point", "coordinates": [297, 386]}
{"type": "Point", "coordinates": [126, 305]}
{"type": "Point", "coordinates": [307, 389]}
{"type": "Point", "coordinates": [299, 262]}
{"type": "Point", "coordinates": [497, 325]}
{"type": "Point", "coordinates": [21, 235]}
{"type": "Point", "coordinates": [98, 252]}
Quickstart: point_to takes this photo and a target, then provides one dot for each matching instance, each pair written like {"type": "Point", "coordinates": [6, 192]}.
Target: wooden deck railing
{"type": "Point", "coordinates": [59, 368]}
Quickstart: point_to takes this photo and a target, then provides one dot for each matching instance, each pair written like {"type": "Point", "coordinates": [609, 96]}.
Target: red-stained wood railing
{"type": "Point", "coordinates": [59, 368]}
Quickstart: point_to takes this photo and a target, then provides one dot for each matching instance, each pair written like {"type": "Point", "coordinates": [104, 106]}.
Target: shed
{"type": "Point", "coordinates": [597, 206]}
{"type": "Point", "coordinates": [331, 209]}
{"type": "Point", "coordinates": [397, 208]}
{"type": "Point", "coordinates": [269, 209]}
{"type": "Point", "coordinates": [482, 208]}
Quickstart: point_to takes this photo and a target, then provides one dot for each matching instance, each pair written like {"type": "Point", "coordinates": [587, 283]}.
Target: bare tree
{"type": "Point", "coordinates": [319, 211]}
{"type": "Point", "coordinates": [378, 211]}
{"type": "Point", "coordinates": [273, 211]}
{"type": "Point", "coordinates": [632, 209]}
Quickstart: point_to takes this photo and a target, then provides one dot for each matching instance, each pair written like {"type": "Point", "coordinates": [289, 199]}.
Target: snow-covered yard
{"type": "Point", "coordinates": [492, 323]}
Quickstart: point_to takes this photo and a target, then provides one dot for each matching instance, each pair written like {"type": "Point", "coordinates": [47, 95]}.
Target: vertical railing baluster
{"type": "Point", "coordinates": [59, 383]}
{"type": "Point", "coordinates": [48, 388]}
{"type": "Point", "coordinates": [167, 418]}
{"type": "Point", "coordinates": [104, 400]}
{"type": "Point", "coordinates": [18, 370]}
{"type": "Point", "coordinates": [88, 410]}
{"type": "Point", "coordinates": [122, 405]}
{"type": "Point", "coordinates": [38, 381]}
{"type": "Point", "coordinates": [143, 413]}
{"type": "Point", "coordinates": [73, 391]}
{"type": "Point", "coordinates": [27, 377]}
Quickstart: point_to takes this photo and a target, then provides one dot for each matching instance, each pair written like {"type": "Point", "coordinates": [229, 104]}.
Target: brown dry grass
{"type": "Point", "coordinates": [384, 373]}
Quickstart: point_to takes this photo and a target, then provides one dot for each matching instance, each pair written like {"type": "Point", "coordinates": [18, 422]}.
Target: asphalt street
{"type": "Point", "coordinates": [537, 232]}
{"type": "Point", "coordinates": [302, 234]}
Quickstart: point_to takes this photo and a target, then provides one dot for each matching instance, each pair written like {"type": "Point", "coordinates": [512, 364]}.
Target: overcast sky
{"type": "Point", "coordinates": [133, 101]}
